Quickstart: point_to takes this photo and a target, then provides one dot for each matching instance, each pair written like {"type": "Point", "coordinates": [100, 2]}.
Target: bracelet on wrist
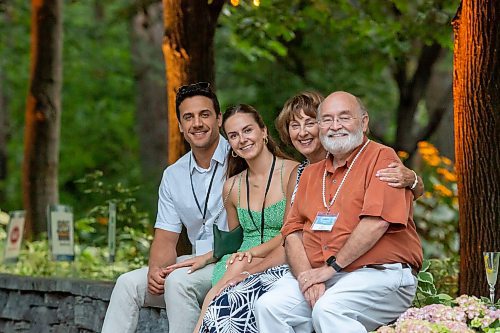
{"type": "Point", "coordinates": [415, 182]}
{"type": "Point", "coordinates": [245, 273]}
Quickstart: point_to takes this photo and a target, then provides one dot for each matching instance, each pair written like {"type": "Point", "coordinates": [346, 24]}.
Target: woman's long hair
{"type": "Point", "coordinates": [238, 164]}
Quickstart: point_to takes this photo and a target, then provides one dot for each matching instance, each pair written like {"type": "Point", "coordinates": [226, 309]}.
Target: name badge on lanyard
{"type": "Point", "coordinates": [324, 222]}
{"type": "Point", "coordinates": [203, 246]}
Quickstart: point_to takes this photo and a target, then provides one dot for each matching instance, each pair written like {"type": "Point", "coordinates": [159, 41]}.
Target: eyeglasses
{"type": "Point", "coordinates": [327, 122]}
{"type": "Point", "coordinates": [194, 87]}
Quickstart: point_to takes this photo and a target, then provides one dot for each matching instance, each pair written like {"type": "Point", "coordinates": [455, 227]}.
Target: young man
{"type": "Point", "coordinates": [190, 194]}
{"type": "Point", "coordinates": [350, 239]}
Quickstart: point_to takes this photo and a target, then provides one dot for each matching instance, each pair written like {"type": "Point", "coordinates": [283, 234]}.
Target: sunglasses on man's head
{"type": "Point", "coordinates": [189, 88]}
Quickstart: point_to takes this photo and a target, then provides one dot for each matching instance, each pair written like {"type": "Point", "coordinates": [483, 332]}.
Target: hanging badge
{"type": "Point", "coordinates": [203, 243]}
{"type": "Point", "coordinates": [324, 222]}
{"type": "Point", "coordinates": [203, 246]}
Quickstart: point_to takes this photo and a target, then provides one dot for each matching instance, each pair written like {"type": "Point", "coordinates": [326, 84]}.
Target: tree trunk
{"type": "Point", "coordinates": [476, 89]}
{"type": "Point", "coordinates": [43, 114]}
{"type": "Point", "coordinates": [412, 91]}
{"type": "Point", "coordinates": [151, 109]}
{"type": "Point", "coordinates": [440, 95]}
{"type": "Point", "coordinates": [188, 48]}
{"type": "Point", "coordinates": [189, 54]}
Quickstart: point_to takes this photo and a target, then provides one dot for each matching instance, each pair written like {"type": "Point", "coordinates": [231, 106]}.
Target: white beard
{"type": "Point", "coordinates": [343, 145]}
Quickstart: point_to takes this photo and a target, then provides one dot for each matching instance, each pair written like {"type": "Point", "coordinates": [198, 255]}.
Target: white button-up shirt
{"type": "Point", "coordinates": [176, 203]}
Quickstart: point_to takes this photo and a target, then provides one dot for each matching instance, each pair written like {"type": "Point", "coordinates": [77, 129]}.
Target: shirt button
{"type": "Point", "coordinates": [325, 247]}
{"type": "Point", "coordinates": [335, 181]}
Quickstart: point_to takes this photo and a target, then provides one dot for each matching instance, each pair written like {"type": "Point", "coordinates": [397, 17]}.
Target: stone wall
{"type": "Point", "coordinates": [62, 305]}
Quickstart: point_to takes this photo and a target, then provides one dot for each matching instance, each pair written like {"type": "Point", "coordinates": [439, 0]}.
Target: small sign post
{"type": "Point", "coordinates": [112, 231]}
{"type": "Point", "coordinates": [61, 232]}
{"type": "Point", "coordinates": [15, 233]}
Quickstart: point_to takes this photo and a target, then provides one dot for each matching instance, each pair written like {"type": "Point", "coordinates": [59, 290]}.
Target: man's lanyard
{"type": "Point", "coordinates": [204, 212]}
{"type": "Point", "coordinates": [263, 202]}
{"type": "Point", "coordinates": [328, 206]}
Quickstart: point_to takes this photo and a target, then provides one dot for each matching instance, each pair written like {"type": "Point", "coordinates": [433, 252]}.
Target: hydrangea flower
{"type": "Point", "coordinates": [469, 315]}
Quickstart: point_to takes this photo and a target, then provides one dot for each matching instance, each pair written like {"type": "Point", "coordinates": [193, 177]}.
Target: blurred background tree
{"type": "Point", "coordinates": [43, 114]}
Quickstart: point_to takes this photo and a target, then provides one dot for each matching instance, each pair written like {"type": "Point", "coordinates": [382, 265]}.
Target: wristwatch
{"type": "Point", "coordinates": [332, 262]}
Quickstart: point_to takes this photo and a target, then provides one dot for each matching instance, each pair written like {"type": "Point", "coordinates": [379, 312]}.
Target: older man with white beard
{"type": "Point", "coordinates": [350, 241]}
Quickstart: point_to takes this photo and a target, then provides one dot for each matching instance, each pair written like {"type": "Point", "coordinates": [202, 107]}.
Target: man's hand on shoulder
{"type": "Point", "coordinates": [156, 280]}
{"type": "Point", "coordinates": [195, 263]}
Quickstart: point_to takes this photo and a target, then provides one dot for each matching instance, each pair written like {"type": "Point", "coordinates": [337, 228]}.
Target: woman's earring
{"type": "Point", "coordinates": [266, 140]}
{"type": "Point", "coordinates": [233, 154]}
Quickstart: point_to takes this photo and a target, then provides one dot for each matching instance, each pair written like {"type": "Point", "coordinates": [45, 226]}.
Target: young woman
{"type": "Point", "coordinates": [258, 176]}
{"type": "Point", "coordinates": [232, 310]}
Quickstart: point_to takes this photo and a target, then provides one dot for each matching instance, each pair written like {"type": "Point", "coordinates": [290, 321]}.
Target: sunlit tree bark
{"type": "Point", "coordinates": [43, 112]}
{"type": "Point", "coordinates": [476, 89]}
{"type": "Point", "coordinates": [189, 54]}
{"type": "Point", "coordinates": [188, 48]}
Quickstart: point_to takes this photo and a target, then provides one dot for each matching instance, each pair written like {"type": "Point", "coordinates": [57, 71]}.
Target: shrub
{"type": "Point", "coordinates": [133, 237]}
{"type": "Point", "coordinates": [464, 314]}
{"type": "Point", "coordinates": [436, 311]}
{"type": "Point", "coordinates": [436, 213]}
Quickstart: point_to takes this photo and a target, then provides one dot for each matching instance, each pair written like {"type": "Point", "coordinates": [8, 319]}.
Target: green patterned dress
{"type": "Point", "coordinates": [273, 217]}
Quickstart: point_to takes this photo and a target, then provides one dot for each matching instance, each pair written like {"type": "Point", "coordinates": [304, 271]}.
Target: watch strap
{"type": "Point", "coordinates": [332, 262]}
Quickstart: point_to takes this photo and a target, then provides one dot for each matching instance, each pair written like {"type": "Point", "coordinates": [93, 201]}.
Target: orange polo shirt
{"type": "Point", "coordinates": [362, 194]}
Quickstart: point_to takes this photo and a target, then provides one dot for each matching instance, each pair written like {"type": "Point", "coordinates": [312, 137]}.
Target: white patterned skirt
{"type": "Point", "coordinates": [233, 310]}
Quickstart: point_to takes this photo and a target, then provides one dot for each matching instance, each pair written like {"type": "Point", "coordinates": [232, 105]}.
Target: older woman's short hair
{"type": "Point", "coordinates": [307, 101]}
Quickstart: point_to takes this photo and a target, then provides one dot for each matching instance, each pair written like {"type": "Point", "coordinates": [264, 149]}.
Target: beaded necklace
{"type": "Point", "coordinates": [342, 182]}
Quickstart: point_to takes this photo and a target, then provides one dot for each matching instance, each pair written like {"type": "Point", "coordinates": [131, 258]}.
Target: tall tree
{"type": "Point", "coordinates": [151, 110]}
{"type": "Point", "coordinates": [412, 90]}
{"type": "Point", "coordinates": [476, 90]}
{"type": "Point", "coordinates": [188, 48]}
{"type": "Point", "coordinates": [43, 113]}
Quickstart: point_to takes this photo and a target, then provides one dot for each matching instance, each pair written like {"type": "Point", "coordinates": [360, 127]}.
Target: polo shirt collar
{"type": "Point", "coordinates": [329, 161]}
{"type": "Point", "coordinates": [220, 154]}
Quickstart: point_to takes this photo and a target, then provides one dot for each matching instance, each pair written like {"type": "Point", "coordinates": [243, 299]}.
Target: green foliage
{"type": "Point", "coordinates": [436, 213]}
{"type": "Point", "coordinates": [98, 104]}
{"type": "Point", "coordinates": [133, 228]}
{"type": "Point", "coordinates": [14, 73]}
{"type": "Point", "coordinates": [133, 237]}
{"type": "Point", "coordinates": [325, 46]}
{"type": "Point", "coordinates": [437, 280]}
{"type": "Point", "coordinates": [90, 263]}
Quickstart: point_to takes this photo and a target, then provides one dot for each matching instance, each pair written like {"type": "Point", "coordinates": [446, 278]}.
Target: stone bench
{"type": "Point", "coordinates": [56, 305]}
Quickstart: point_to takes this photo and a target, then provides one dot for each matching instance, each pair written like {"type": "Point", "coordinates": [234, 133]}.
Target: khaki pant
{"type": "Point", "coordinates": [184, 294]}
